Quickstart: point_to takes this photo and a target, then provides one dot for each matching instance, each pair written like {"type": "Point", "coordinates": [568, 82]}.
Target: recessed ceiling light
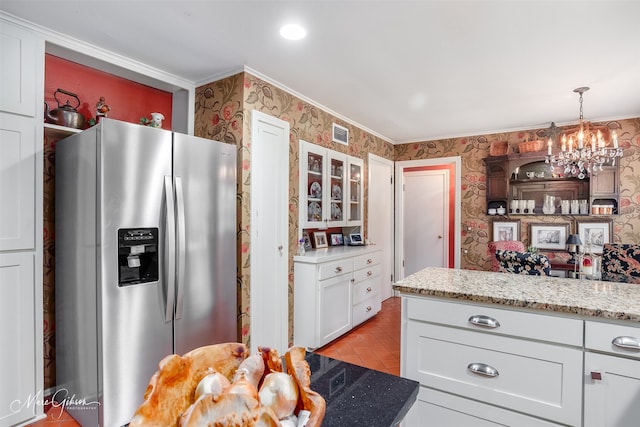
{"type": "Point", "coordinates": [293, 32]}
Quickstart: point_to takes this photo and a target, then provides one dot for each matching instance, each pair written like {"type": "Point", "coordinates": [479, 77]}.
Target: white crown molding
{"type": "Point", "coordinates": [292, 92]}
{"type": "Point", "coordinates": [94, 56]}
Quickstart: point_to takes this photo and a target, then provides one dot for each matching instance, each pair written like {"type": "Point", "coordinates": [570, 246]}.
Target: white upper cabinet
{"type": "Point", "coordinates": [19, 53]}
{"type": "Point", "coordinates": [330, 188]}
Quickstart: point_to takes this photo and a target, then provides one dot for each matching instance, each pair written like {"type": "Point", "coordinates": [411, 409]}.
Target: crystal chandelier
{"type": "Point", "coordinates": [585, 150]}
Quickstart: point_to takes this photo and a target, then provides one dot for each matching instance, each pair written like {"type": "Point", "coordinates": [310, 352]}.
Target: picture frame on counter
{"type": "Point", "coordinates": [594, 234]}
{"type": "Point", "coordinates": [320, 239]}
{"type": "Point", "coordinates": [336, 239]}
{"type": "Point", "coordinates": [307, 241]}
{"type": "Point", "coordinates": [506, 230]}
{"type": "Point", "coordinates": [549, 237]}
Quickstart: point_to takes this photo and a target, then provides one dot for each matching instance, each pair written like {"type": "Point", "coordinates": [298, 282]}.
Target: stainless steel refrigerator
{"type": "Point", "coordinates": [145, 260]}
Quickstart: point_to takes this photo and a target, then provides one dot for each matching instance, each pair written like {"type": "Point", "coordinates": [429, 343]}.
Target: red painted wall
{"type": "Point", "coordinates": [129, 101]}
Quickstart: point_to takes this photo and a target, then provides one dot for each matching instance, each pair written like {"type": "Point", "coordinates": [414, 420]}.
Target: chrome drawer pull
{"type": "Point", "coordinates": [628, 343]}
{"type": "Point", "coordinates": [369, 273]}
{"type": "Point", "coordinates": [368, 308]}
{"type": "Point", "coordinates": [369, 261]}
{"type": "Point", "coordinates": [338, 269]}
{"type": "Point", "coordinates": [483, 369]}
{"type": "Point", "coordinates": [484, 321]}
{"type": "Point", "coordinates": [353, 280]}
{"type": "Point", "coordinates": [369, 289]}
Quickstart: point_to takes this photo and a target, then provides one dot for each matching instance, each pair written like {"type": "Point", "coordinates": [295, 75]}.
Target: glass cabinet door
{"type": "Point", "coordinates": [355, 191]}
{"type": "Point", "coordinates": [337, 172]}
{"type": "Point", "coordinates": [312, 178]}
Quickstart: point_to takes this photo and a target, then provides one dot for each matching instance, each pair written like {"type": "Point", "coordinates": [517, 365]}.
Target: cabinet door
{"type": "Point", "coordinates": [336, 194]}
{"type": "Point", "coordinates": [19, 51]}
{"type": "Point", "coordinates": [355, 191]}
{"type": "Point", "coordinates": [605, 182]}
{"type": "Point", "coordinates": [17, 182]}
{"type": "Point", "coordinates": [611, 401]}
{"type": "Point", "coordinates": [312, 179]}
{"type": "Point", "coordinates": [334, 302]}
{"type": "Point", "coordinates": [18, 335]}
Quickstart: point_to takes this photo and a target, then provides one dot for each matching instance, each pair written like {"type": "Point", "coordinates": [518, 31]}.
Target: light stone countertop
{"type": "Point", "coordinates": [334, 253]}
{"type": "Point", "coordinates": [606, 300]}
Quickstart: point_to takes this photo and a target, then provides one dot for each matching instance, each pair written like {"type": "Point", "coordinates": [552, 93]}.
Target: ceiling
{"type": "Point", "coordinates": [403, 70]}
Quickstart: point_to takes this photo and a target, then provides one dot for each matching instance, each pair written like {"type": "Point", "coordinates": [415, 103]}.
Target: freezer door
{"type": "Point", "coordinates": [133, 331]}
{"type": "Point", "coordinates": [205, 176]}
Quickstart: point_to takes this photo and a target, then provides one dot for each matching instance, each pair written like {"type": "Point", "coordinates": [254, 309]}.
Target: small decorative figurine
{"type": "Point", "coordinates": [102, 108]}
{"type": "Point", "coordinates": [156, 120]}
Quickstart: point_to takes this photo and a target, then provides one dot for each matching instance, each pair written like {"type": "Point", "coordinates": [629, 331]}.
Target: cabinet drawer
{"type": "Point", "coordinates": [601, 337]}
{"type": "Point", "coordinates": [367, 273]}
{"type": "Point", "coordinates": [540, 379]}
{"type": "Point", "coordinates": [366, 309]}
{"type": "Point", "coordinates": [365, 289]}
{"type": "Point", "coordinates": [519, 324]}
{"type": "Point", "coordinates": [366, 260]}
{"type": "Point", "coordinates": [443, 409]}
{"type": "Point", "coordinates": [335, 268]}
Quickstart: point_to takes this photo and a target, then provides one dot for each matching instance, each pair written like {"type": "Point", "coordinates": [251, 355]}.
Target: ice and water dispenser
{"type": "Point", "coordinates": [137, 256]}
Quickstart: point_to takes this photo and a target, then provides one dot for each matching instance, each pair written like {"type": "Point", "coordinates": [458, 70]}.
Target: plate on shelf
{"type": "Point", "coordinates": [315, 190]}
{"type": "Point", "coordinates": [314, 212]}
{"type": "Point", "coordinates": [336, 192]}
{"type": "Point", "coordinates": [336, 212]}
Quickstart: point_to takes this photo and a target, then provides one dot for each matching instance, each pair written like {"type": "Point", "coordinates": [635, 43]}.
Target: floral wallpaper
{"type": "Point", "coordinates": [223, 112]}
{"type": "Point", "coordinates": [476, 224]}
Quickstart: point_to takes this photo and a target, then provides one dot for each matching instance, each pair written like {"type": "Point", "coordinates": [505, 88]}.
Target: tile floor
{"type": "Point", "coordinates": [374, 344]}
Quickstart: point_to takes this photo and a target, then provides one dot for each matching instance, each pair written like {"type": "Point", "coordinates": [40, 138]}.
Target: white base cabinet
{"type": "Point", "coordinates": [474, 369]}
{"type": "Point", "coordinates": [334, 290]}
{"type": "Point", "coordinates": [611, 375]}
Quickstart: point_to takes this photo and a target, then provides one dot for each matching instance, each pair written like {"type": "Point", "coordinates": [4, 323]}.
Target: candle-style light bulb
{"type": "Point", "coordinates": [593, 142]}
{"type": "Point", "coordinates": [615, 139]}
{"type": "Point", "coordinates": [571, 145]}
{"type": "Point", "coordinates": [564, 143]}
{"type": "Point", "coordinates": [549, 145]}
{"type": "Point", "coordinates": [580, 137]}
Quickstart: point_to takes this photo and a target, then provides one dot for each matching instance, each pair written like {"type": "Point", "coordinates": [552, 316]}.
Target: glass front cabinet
{"type": "Point", "coordinates": [330, 188]}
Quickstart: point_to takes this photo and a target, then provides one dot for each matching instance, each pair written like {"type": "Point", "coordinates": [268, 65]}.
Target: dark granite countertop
{"type": "Point", "coordinates": [358, 396]}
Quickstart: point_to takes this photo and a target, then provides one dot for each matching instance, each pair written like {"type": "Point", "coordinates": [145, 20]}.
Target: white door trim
{"type": "Point", "coordinates": [399, 214]}
{"type": "Point", "coordinates": [381, 160]}
{"type": "Point", "coordinates": [269, 320]}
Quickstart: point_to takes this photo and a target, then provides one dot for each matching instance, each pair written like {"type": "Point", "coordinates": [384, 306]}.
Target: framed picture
{"type": "Point", "coordinates": [594, 234]}
{"type": "Point", "coordinates": [320, 239]}
{"type": "Point", "coordinates": [336, 240]}
{"type": "Point", "coordinates": [506, 230]}
{"type": "Point", "coordinates": [550, 237]}
{"type": "Point", "coordinates": [307, 241]}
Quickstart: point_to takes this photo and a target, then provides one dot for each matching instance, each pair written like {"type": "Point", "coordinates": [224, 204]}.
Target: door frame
{"type": "Point", "coordinates": [370, 191]}
{"type": "Point", "coordinates": [400, 167]}
{"type": "Point", "coordinates": [281, 270]}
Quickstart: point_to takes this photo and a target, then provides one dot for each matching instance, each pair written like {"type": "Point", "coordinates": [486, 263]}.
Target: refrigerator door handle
{"type": "Point", "coordinates": [180, 227]}
{"type": "Point", "coordinates": [171, 243]}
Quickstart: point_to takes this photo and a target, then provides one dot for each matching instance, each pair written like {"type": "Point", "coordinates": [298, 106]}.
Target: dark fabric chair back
{"type": "Point", "coordinates": [523, 263]}
{"type": "Point", "coordinates": [621, 263]}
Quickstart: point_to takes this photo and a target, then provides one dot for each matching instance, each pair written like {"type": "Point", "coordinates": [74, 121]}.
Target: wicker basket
{"type": "Point", "coordinates": [531, 146]}
{"type": "Point", "coordinates": [498, 148]}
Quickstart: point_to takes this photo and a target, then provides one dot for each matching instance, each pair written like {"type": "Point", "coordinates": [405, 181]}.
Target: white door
{"type": "Point", "coordinates": [427, 194]}
{"type": "Point", "coordinates": [380, 216]}
{"type": "Point", "coordinates": [269, 303]}
{"type": "Point", "coordinates": [426, 200]}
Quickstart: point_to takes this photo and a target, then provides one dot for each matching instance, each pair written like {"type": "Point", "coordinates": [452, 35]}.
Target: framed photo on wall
{"type": "Point", "coordinates": [320, 239]}
{"type": "Point", "coordinates": [550, 237]}
{"type": "Point", "coordinates": [506, 230]}
{"type": "Point", "coordinates": [594, 234]}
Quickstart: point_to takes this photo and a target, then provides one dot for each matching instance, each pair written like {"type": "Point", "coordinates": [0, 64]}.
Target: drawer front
{"type": "Point", "coordinates": [535, 378]}
{"type": "Point", "coordinates": [612, 338]}
{"type": "Point", "coordinates": [367, 273]}
{"type": "Point", "coordinates": [497, 321]}
{"type": "Point", "coordinates": [365, 289]}
{"type": "Point", "coordinates": [366, 309]}
{"type": "Point", "coordinates": [443, 409]}
{"type": "Point", "coordinates": [335, 268]}
{"type": "Point", "coordinates": [363, 261]}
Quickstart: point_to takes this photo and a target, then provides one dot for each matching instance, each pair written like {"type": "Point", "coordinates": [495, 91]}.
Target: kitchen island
{"type": "Point", "coordinates": [494, 348]}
